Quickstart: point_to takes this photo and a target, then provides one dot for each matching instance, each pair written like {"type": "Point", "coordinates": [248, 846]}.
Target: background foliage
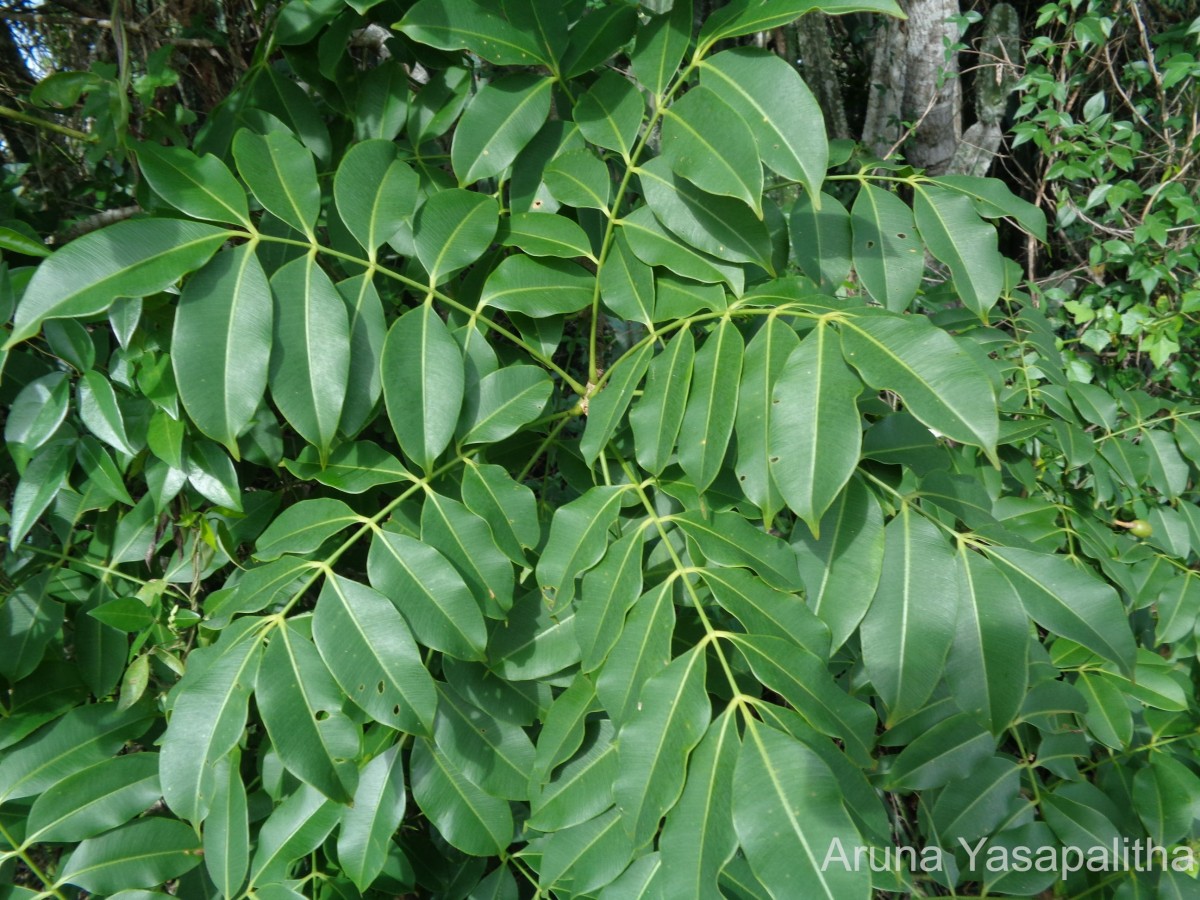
{"type": "Point", "coordinates": [508, 450]}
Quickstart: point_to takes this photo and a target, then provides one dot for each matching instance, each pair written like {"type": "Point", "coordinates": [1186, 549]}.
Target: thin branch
{"type": "Point", "coordinates": [101, 220]}
{"type": "Point", "coordinates": [18, 116]}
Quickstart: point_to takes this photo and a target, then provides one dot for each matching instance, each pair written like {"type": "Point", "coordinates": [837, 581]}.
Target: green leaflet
{"type": "Point", "coordinates": [578, 178]}
{"type": "Point", "coordinates": [711, 406]}
{"type": "Point", "coordinates": [655, 246]}
{"type": "Point", "coordinates": [538, 287]}
{"type": "Point", "coordinates": [142, 854]}
{"type": "Point", "coordinates": [658, 415]}
{"type": "Point", "coordinates": [375, 192]}
{"type": "Point", "coordinates": [801, 678]}
{"type": "Point", "coordinates": [542, 235]}
{"type": "Point", "coordinates": [100, 412]}
{"type": "Point", "coordinates": [465, 539]}
{"type": "Point", "coordinates": [779, 109]}
{"type": "Point", "coordinates": [199, 186]}
{"type": "Point", "coordinates": [535, 641]}
{"type": "Point", "coordinates": [297, 826]}
{"type": "Point", "coordinates": [310, 359]}
{"type": "Point", "coordinates": [594, 852]}
{"type": "Point", "coordinates": [952, 749]}
{"type": "Point", "coordinates": [661, 45]}
{"type": "Point", "coordinates": [547, 22]}
{"type": "Point", "coordinates": [422, 383]}
{"type": "Point", "coordinates": [304, 527]}
{"type": "Point", "coordinates": [565, 723]}
{"type": "Point", "coordinates": [281, 173]}
{"type": "Point", "coordinates": [910, 625]}
{"type": "Point", "coordinates": [381, 102]}
{"type": "Point", "coordinates": [578, 537]}
{"type": "Point", "coordinates": [764, 361]}
{"type": "Point", "coordinates": [607, 408]}
{"type": "Point", "coordinates": [508, 399]}
{"type": "Point", "coordinates": [429, 593]}
{"type": "Point", "coordinates": [495, 755]}
{"type": "Point", "coordinates": [888, 256]}
{"type": "Point", "coordinates": [738, 19]}
{"type": "Point", "coordinates": [763, 610]}
{"type": "Point", "coordinates": [227, 828]}
{"type": "Point", "coordinates": [352, 468]}
{"type": "Point", "coordinates": [940, 383]}
{"type": "Point", "coordinates": [815, 438]}
{"type": "Point", "coordinates": [608, 591]}
{"type": "Point", "coordinates": [507, 507]}
{"type": "Point", "coordinates": [723, 227]}
{"type": "Point", "coordinates": [301, 709]}
{"type": "Point", "coordinates": [371, 654]}
{"type": "Point", "coordinates": [627, 283]}
{"type": "Point", "coordinates": [971, 807]}
{"type": "Point", "coordinates": [709, 143]}
{"type": "Point", "coordinates": [36, 618]}
{"type": "Point", "coordinates": [988, 661]}
{"type": "Point", "coordinates": [610, 113]}
{"type": "Point", "coordinates": [598, 36]}
{"type": "Point", "coordinates": [452, 229]}
{"type": "Point", "coordinates": [643, 650]}
{"type": "Point", "coordinates": [472, 25]}
{"type": "Point", "coordinates": [497, 124]}
{"type": "Point", "coordinates": [468, 818]}
{"type": "Point", "coordinates": [841, 568]}
{"type": "Point", "coordinates": [366, 827]}
{"type": "Point", "coordinates": [1069, 601]}
{"type": "Point", "coordinates": [222, 341]}
{"type": "Point", "coordinates": [787, 810]}
{"type": "Point", "coordinates": [729, 540]}
{"type": "Point", "coordinates": [368, 330]}
{"type": "Point", "coordinates": [206, 723]}
{"type": "Point", "coordinates": [821, 240]}
{"type": "Point", "coordinates": [955, 235]}
{"type": "Point", "coordinates": [129, 259]}
{"type": "Point", "coordinates": [582, 787]}
{"type": "Point", "coordinates": [38, 411]}
{"type": "Point", "coordinates": [698, 837]}
{"type": "Point", "coordinates": [669, 719]}
{"type": "Point", "coordinates": [1165, 796]}
{"type": "Point", "coordinates": [96, 799]}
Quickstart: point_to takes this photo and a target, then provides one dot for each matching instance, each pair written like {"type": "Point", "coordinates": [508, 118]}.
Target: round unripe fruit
{"type": "Point", "coordinates": [1140, 528]}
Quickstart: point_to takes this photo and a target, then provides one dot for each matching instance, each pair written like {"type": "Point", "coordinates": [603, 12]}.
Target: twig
{"type": "Point", "coordinates": [101, 220]}
{"type": "Point", "coordinates": [18, 116]}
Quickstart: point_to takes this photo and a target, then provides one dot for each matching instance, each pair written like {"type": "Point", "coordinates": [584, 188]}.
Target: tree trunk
{"type": "Point", "coordinates": [913, 83]}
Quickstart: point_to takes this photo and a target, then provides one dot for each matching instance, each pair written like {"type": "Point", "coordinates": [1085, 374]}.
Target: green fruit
{"type": "Point", "coordinates": [1140, 528]}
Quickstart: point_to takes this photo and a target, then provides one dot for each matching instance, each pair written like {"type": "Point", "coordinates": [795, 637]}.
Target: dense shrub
{"type": "Point", "coordinates": [468, 476]}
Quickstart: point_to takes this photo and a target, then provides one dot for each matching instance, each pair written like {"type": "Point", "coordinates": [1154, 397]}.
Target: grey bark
{"type": "Point", "coordinates": [820, 72]}
{"type": "Point", "coordinates": [913, 81]}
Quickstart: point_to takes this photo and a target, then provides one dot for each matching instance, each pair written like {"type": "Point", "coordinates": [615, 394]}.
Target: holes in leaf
{"type": "Point", "coordinates": [870, 244]}
{"type": "Point", "coordinates": [361, 688]}
{"type": "Point", "coordinates": [901, 235]}
{"type": "Point", "coordinates": [379, 688]}
{"type": "Point", "coordinates": [396, 710]}
{"type": "Point", "coordinates": [321, 715]}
